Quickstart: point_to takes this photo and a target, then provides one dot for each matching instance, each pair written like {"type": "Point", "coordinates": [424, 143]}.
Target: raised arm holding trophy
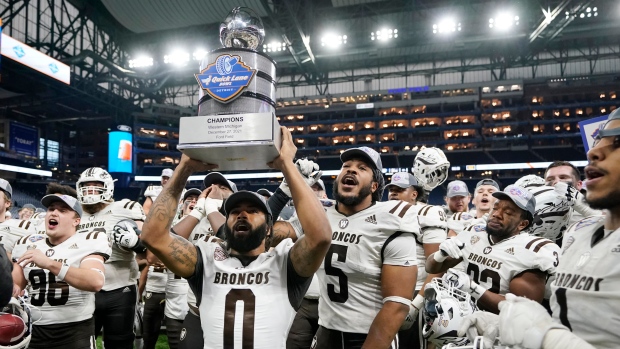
{"type": "Point", "coordinates": [236, 127]}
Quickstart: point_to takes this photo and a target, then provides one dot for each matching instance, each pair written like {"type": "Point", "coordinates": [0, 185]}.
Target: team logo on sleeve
{"type": "Point", "coordinates": [567, 243]}
{"type": "Point", "coordinates": [343, 223]}
{"type": "Point", "coordinates": [479, 228]}
{"type": "Point", "coordinates": [219, 254]}
{"type": "Point", "coordinates": [35, 238]}
{"type": "Point", "coordinates": [474, 239]}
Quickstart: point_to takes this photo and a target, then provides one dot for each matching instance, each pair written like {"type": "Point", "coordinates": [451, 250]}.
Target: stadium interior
{"type": "Point", "coordinates": [497, 83]}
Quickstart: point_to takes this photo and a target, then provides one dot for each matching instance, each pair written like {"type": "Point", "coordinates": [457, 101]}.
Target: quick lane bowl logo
{"type": "Point", "coordinates": [225, 78]}
{"type": "Point", "coordinates": [396, 178]}
{"type": "Point", "coordinates": [19, 51]}
{"type": "Point", "coordinates": [518, 192]}
{"type": "Point", "coordinates": [53, 68]}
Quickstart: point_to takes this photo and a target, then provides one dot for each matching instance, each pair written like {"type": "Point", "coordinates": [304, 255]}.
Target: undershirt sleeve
{"type": "Point", "coordinates": [400, 250]}
{"type": "Point", "coordinates": [195, 281]}
{"type": "Point", "coordinates": [296, 285]}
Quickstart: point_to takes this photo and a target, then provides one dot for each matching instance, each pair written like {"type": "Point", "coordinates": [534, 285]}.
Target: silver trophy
{"type": "Point", "coordinates": [236, 127]}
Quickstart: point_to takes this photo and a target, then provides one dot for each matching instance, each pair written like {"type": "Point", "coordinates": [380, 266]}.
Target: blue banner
{"type": "Point", "coordinates": [120, 152]}
{"type": "Point", "coordinates": [589, 130]}
{"type": "Point", "coordinates": [23, 139]}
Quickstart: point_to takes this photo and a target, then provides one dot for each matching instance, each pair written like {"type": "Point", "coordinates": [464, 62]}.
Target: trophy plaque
{"type": "Point", "coordinates": [236, 127]}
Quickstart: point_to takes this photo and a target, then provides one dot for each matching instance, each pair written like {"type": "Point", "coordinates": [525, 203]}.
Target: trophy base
{"type": "Point", "coordinates": [233, 142]}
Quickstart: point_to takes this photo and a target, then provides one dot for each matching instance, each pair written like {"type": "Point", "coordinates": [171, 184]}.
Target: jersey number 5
{"type": "Point", "coordinates": [343, 282]}
{"type": "Point", "coordinates": [39, 282]}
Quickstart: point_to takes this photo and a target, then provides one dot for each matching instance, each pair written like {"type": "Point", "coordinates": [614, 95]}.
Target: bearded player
{"type": "Point", "coordinates": [498, 257]}
{"type": "Point", "coordinates": [270, 285]}
{"type": "Point", "coordinates": [116, 302]}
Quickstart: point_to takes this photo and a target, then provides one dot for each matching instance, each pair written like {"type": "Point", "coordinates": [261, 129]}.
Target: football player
{"type": "Point", "coordinates": [152, 290]}
{"type": "Point", "coordinates": [26, 211]}
{"type": "Point", "coordinates": [433, 231]}
{"type": "Point", "coordinates": [588, 274]}
{"type": "Point", "coordinates": [564, 171]}
{"type": "Point", "coordinates": [483, 197]}
{"type": "Point", "coordinates": [152, 191]}
{"type": "Point", "coordinates": [63, 269]}
{"type": "Point", "coordinates": [38, 218]}
{"type": "Point", "coordinates": [116, 302]}
{"type": "Point", "coordinates": [269, 284]}
{"type": "Point", "coordinates": [11, 230]}
{"type": "Point", "coordinates": [457, 198]}
{"type": "Point", "coordinates": [498, 258]}
{"type": "Point", "coordinates": [369, 274]}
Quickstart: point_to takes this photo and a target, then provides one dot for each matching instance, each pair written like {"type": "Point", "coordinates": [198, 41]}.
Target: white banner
{"type": "Point", "coordinates": [26, 55]}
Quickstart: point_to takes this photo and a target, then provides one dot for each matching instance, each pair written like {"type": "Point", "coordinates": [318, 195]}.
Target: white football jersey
{"type": "Point", "coordinates": [56, 301]}
{"type": "Point", "coordinates": [460, 221]}
{"type": "Point", "coordinates": [433, 230]}
{"type": "Point", "coordinates": [249, 306]}
{"type": "Point", "coordinates": [121, 269]}
{"type": "Point", "coordinates": [585, 295]}
{"type": "Point", "coordinates": [156, 279]}
{"type": "Point", "coordinates": [176, 296]}
{"type": "Point", "coordinates": [38, 219]}
{"type": "Point", "coordinates": [12, 230]}
{"type": "Point", "coordinates": [494, 265]}
{"type": "Point", "coordinates": [350, 277]}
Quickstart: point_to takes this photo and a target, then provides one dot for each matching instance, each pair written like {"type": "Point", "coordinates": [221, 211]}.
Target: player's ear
{"type": "Point", "coordinates": [76, 220]}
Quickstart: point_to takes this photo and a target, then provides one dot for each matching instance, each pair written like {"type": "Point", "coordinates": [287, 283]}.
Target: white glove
{"type": "Point", "coordinates": [199, 210]}
{"type": "Point", "coordinates": [414, 309]}
{"type": "Point", "coordinates": [463, 282]}
{"type": "Point", "coordinates": [567, 193]}
{"type": "Point", "coordinates": [309, 170]}
{"type": "Point", "coordinates": [306, 167]}
{"type": "Point", "coordinates": [480, 323]}
{"type": "Point", "coordinates": [451, 247]}
{"type": "Point", "coordinates": [523, 323]}
{"type": "Point", "coordinates": [125, 236]}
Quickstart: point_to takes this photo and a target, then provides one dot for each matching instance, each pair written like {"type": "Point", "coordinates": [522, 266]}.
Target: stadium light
{"type": "Point", "coordinates": [141, 62]}
{"type": "Point", "coordinates": [332, 40]}
{"type": "Point", "coordinates": [446, 26]}
{"type": "Point", "coordinates": [384, 34]}
{"type": "Point", "coordinates": [588, 13]}
{"type": "Point", "coordinates": [177, 58]}
{"type": "Point", "coordinates": [274, 46]}
{"type": "Point", "coordinates": [199, 54]}
{"type": "Point", "coordinates": [503, 21]}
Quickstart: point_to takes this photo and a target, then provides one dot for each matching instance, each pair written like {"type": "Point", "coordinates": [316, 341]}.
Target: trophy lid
{"type": "Point", "coordinates": [242, 28]}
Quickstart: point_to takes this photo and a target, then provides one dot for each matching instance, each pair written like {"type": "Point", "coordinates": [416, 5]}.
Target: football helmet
{"type": "Point", "coordinates": [553, 212]}
{"type": "Point", "coordinates": [477, 344]}
{"type": "Point", "coordinates": [430, 168]}
{"type": "Point", "coordinates": [445, 306]}
{"type": "Point", "coordinates": [19, 308]}
{"type": "Point", "coordinates": [89, 195]}
{"type": "Point", "coordinates": [530, 181]}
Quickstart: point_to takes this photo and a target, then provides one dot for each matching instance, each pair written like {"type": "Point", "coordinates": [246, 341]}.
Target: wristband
{"type": "Point", "coordinates": [197, 214]}
{"type": "Point", "coordinates": [63, 272]}
{"type": "Point", "coordinates": [212, 205]}
{"type": "Point", "coordinates": [397, 299]}
{"type": "Point", "coordinates": [477, 290]}
{"type": "Point", "coordinates": [439, 257]}
{"type": "Point", "coordinates": [418, 302]}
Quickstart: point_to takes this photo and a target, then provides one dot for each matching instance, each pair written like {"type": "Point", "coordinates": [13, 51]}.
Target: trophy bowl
{"type": "Point", "coordinates": [242, 28]}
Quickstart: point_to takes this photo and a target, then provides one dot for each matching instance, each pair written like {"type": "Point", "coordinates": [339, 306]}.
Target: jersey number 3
{"type": "Point", "coordinates": [343, 282]}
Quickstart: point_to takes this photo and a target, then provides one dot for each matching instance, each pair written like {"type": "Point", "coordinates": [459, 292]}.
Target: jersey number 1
{"type": "Point", "coordinates": [249, 310]}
